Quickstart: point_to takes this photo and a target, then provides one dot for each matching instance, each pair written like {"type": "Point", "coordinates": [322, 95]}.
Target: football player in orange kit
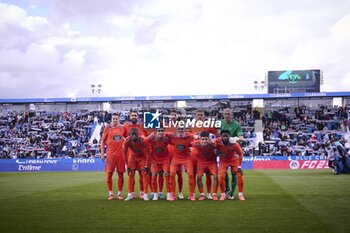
{"type": "Point", "coordinates": [160, 161]}
{"type": "Point", "coordinates": [147, 132]}
{"type": "Point", "coordinates": [181, 157]}
{"type": "Point", "coordinates": [206, 160]}
{"type": "Point", "coordinates": [136, 155]}
{"type": "Point", "coordinates": [134, 116]}
{"type": "Point", "coordinates": [231, 155]}
{"type": "Point", "coordinates": [172, 129]}
{"type": "Point", "coordinates": [113, 138]}
{"type": "Point", "coordinates": [235, 130]}
{"type": "Point", "coordinates": [134, 124]}
{"type": "Point", "coordinates": [200, 116]}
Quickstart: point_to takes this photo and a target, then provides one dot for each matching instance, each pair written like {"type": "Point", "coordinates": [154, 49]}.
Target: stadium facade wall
{"type": "Point", "coordinates": [13, 107]}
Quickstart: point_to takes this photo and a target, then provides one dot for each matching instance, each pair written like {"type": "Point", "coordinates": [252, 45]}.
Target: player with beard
{"type": "Point", "coordinates": [134, 124]}
{"type": "Point", "coordinates": [231, 155]}
{"type": "Point", "coordinates": [134, 116]}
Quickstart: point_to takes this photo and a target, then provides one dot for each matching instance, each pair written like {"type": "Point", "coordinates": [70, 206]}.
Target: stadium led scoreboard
{"type": "Point", "coordinates": [293, 81]}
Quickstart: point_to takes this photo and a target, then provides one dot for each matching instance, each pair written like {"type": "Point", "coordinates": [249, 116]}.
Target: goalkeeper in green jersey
{"type": "Point", "coordinates": [235, 129]}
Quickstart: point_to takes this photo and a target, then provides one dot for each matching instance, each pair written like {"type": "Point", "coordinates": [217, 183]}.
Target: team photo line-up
{"type": "Point", "coordinates": [163, 153]}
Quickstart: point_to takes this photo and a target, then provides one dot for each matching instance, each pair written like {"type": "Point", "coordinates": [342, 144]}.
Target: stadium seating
{"type": "Point", "coordinates": [286, 131]}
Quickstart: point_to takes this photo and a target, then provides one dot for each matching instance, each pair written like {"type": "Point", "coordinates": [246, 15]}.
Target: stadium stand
{"type": "Point", "coordinates": [66, 130]}
{"type": "Point", "coordinates": [45, 135]}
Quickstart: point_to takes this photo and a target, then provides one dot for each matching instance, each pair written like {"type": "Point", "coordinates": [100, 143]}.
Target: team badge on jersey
{"type": "Point", "coordinates": [159, 150]}
{"type": "Point", "coordinates": [180, 147]}
{"type": "Point", "coordinates": [117, 138]}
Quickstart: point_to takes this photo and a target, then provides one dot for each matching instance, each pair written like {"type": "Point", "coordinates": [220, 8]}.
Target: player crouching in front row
{"type": "Point", "coordinates": [136, 161]}
{"type": "Point", "coordinates": [230, 156]}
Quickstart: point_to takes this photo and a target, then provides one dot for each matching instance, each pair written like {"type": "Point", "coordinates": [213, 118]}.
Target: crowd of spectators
{"type": "Point", "coordinates": [302, 130]}
{"type": "Point", "coordinates": [286, 130]}
{"type": "Point", "coordinates": [40, 134]}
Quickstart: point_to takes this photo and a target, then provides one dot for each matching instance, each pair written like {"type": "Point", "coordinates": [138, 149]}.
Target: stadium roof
{"type": "Point", "coordinates": [175, 97]}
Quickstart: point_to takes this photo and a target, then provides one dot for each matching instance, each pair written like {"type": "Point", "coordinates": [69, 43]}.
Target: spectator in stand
{"type": "Point", "coordinates": [94, 141]}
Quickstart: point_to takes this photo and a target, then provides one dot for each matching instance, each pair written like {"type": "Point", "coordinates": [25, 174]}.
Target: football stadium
{"type": "Point", "coordinates": [53, 179]}
{"type": "Point", "coordinates": [174, 116]}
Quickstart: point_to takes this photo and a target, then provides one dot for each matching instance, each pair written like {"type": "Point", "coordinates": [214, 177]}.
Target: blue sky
{"type": "Point", "coordinates": [151, 47]}
{"type": "Point", "coordinates": [33, 8]}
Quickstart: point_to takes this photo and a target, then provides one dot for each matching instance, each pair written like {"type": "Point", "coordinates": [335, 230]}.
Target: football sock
{"type": "Point", "coordinates": [234, 183]}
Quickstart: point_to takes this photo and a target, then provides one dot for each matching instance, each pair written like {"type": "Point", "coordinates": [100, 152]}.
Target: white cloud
{"type": "Point", "coordinates": [33, 23]}
{"type": "Point", "coordinates": [75, 57]}
{"type": "Point", "coordinates": [169, 47]}
{"type": "Point", "coordinates": [11, 14]}
{"type": "Point", "coordinates": [341, 30]}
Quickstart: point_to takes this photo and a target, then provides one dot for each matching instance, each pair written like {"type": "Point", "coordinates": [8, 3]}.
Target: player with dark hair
{"type": "Point", "coordinates": [159, 159]}
{"type": "Point", "coordinates": [206, 160]}
{"type": "Point", "coordinates": [134, 116]}
{"type": "Point", "coordinates": [200, 116]}
{"type": "Point", "coordinates": [235, 130]}
{"type": "Point", "coordinates": [181, 157]}
{"type": "Point", "coordinates": [136, 154]}
{"type": "Point", "coordinates": [113, 138]}
{"type": "Point", "coordinates": [230, 156]}
{"type": "Point", "coordinates": [171, 148]}
{"type": "Point", "coordinates": [147, 132]}
{"type": "Point", "coordinates": [134, 124]}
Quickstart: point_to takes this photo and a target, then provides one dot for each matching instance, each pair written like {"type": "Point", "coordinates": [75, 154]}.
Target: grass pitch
{"type": "Point", "coordinates": [276, 201]}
